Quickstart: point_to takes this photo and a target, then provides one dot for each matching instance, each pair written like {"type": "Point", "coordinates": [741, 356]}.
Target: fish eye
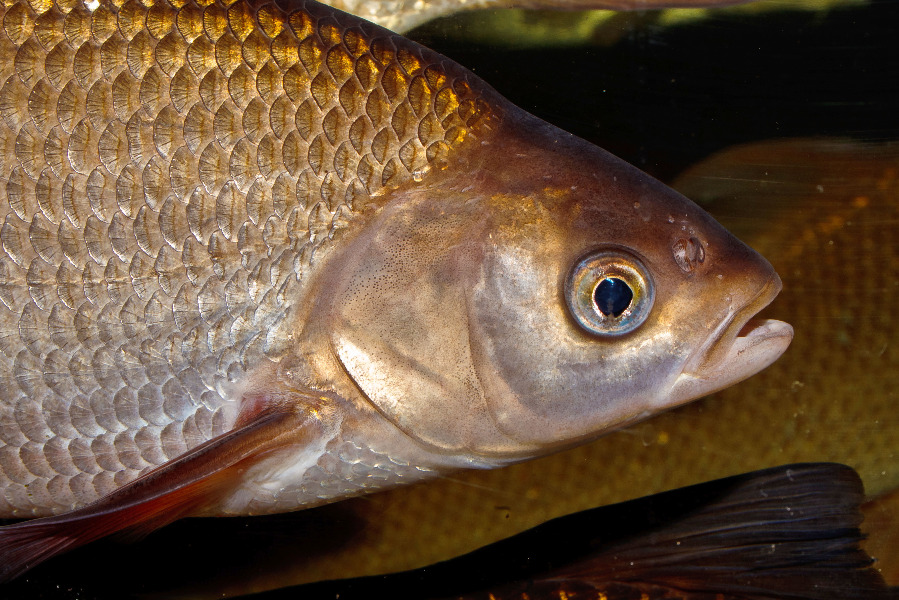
{"type": "Point", "coordinates": [609, 292]}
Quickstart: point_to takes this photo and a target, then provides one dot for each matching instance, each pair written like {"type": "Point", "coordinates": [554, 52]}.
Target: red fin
{"type": "Point", "coordinates": [169, 492]}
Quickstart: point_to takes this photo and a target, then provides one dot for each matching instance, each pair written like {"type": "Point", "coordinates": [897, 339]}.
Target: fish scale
{"type": "Point", "coordinates": [169, 175]}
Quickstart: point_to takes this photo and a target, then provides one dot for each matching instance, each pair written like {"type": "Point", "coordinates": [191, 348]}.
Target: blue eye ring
{"type": "Point", "coordinates": [609, 292]}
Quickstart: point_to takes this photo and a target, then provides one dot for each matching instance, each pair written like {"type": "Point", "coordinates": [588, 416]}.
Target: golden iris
{"type": "Point", "coordinates": [609, 291]}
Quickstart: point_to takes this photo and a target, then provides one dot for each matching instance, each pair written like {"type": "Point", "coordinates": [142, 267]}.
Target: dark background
{"type": "Point", "coordinates": [665, 97]}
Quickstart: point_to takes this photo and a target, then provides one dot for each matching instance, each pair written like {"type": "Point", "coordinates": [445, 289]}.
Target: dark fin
{"type": "Point", "coordinates": [174, 490]}
{"type": "Point", "coordinates": [789, 533]}
{"type": "Point", "coordinates": [785, 533]}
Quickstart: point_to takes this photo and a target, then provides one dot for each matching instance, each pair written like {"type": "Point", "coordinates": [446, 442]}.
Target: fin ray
{"type": "Point", "coordinates": [789, 532]}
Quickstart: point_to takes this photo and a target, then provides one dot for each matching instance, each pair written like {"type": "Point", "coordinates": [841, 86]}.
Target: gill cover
{"type": "Point", "coordinates": [400, 325]}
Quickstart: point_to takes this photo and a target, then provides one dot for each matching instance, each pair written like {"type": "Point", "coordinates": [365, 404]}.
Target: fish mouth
{"type": "Point", "coordinates": [740, 347]}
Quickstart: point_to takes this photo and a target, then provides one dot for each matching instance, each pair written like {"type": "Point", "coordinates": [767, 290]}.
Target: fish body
{"type": "Point", "coordinates": [403, 15]}
{"type": "Point", "coordinates": [261, 256]}
{"type": "Point", "coordinates": [183, 207]}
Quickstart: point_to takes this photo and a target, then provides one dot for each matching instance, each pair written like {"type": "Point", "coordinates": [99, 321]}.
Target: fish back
{"type": "Point", "coordinates": [170, 175]}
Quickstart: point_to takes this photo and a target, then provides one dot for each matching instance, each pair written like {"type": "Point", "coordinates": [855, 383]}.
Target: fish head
{"type": "Point", "coordinates": [540, 293]}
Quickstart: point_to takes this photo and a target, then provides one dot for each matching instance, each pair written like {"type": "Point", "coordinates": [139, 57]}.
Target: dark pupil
{"type": "Point", "coordinates": [612, 296]}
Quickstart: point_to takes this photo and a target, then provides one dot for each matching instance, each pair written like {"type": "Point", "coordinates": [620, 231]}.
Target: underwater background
{"type": "Point", "coordinates": [782, 120]}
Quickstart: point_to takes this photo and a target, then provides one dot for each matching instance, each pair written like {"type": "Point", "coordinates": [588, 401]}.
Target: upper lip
{"type": "Point", "coordinates": [720, 342]}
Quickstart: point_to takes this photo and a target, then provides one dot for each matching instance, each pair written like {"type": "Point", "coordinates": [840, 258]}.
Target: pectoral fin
{"type": "Point", "coordinates": [174, 490]}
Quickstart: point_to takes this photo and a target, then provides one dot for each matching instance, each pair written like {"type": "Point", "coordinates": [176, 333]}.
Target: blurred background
{"type": "Point", "coordinates": [781, 119]}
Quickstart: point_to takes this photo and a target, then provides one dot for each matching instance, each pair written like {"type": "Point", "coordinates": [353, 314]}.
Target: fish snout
{"type": "Point", "coordinates": [742, 344]}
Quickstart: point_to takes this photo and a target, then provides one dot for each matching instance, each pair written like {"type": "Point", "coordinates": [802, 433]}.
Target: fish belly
{"type": "Point", "coordinates": [332, 468]}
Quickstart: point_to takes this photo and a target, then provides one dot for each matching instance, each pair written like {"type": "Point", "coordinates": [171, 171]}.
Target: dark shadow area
{"type": "Point", "coordinates": [664, 97]}
{"type": "Point", "coordinates": [189, 555]}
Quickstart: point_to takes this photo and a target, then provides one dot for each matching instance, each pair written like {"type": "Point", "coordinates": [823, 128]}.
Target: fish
{"type": "Point", "coordinates": [401, 17]}
{"type": "Point", "coordinates": [823, 211]}
{"type": "Point", "coordinates": [786, 532]}
{"type": "Point", "coordinates": [260, 257]}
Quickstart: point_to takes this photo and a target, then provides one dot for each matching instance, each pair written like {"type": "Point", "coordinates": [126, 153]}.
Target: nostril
{"type": "Point", "coordinates": [689, 253]}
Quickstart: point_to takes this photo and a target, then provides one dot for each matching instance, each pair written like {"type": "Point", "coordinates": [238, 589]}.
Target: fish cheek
{"type": "Point", "coordinates": [546, 381]}
{"type": "Point", "coordinates": [400, 329]}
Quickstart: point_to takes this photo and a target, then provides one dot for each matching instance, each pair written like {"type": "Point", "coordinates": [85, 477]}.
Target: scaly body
{"type": "Point", "coordinates": [261, 256]}
{"type": "Point", "coordinates": [165, 191]}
